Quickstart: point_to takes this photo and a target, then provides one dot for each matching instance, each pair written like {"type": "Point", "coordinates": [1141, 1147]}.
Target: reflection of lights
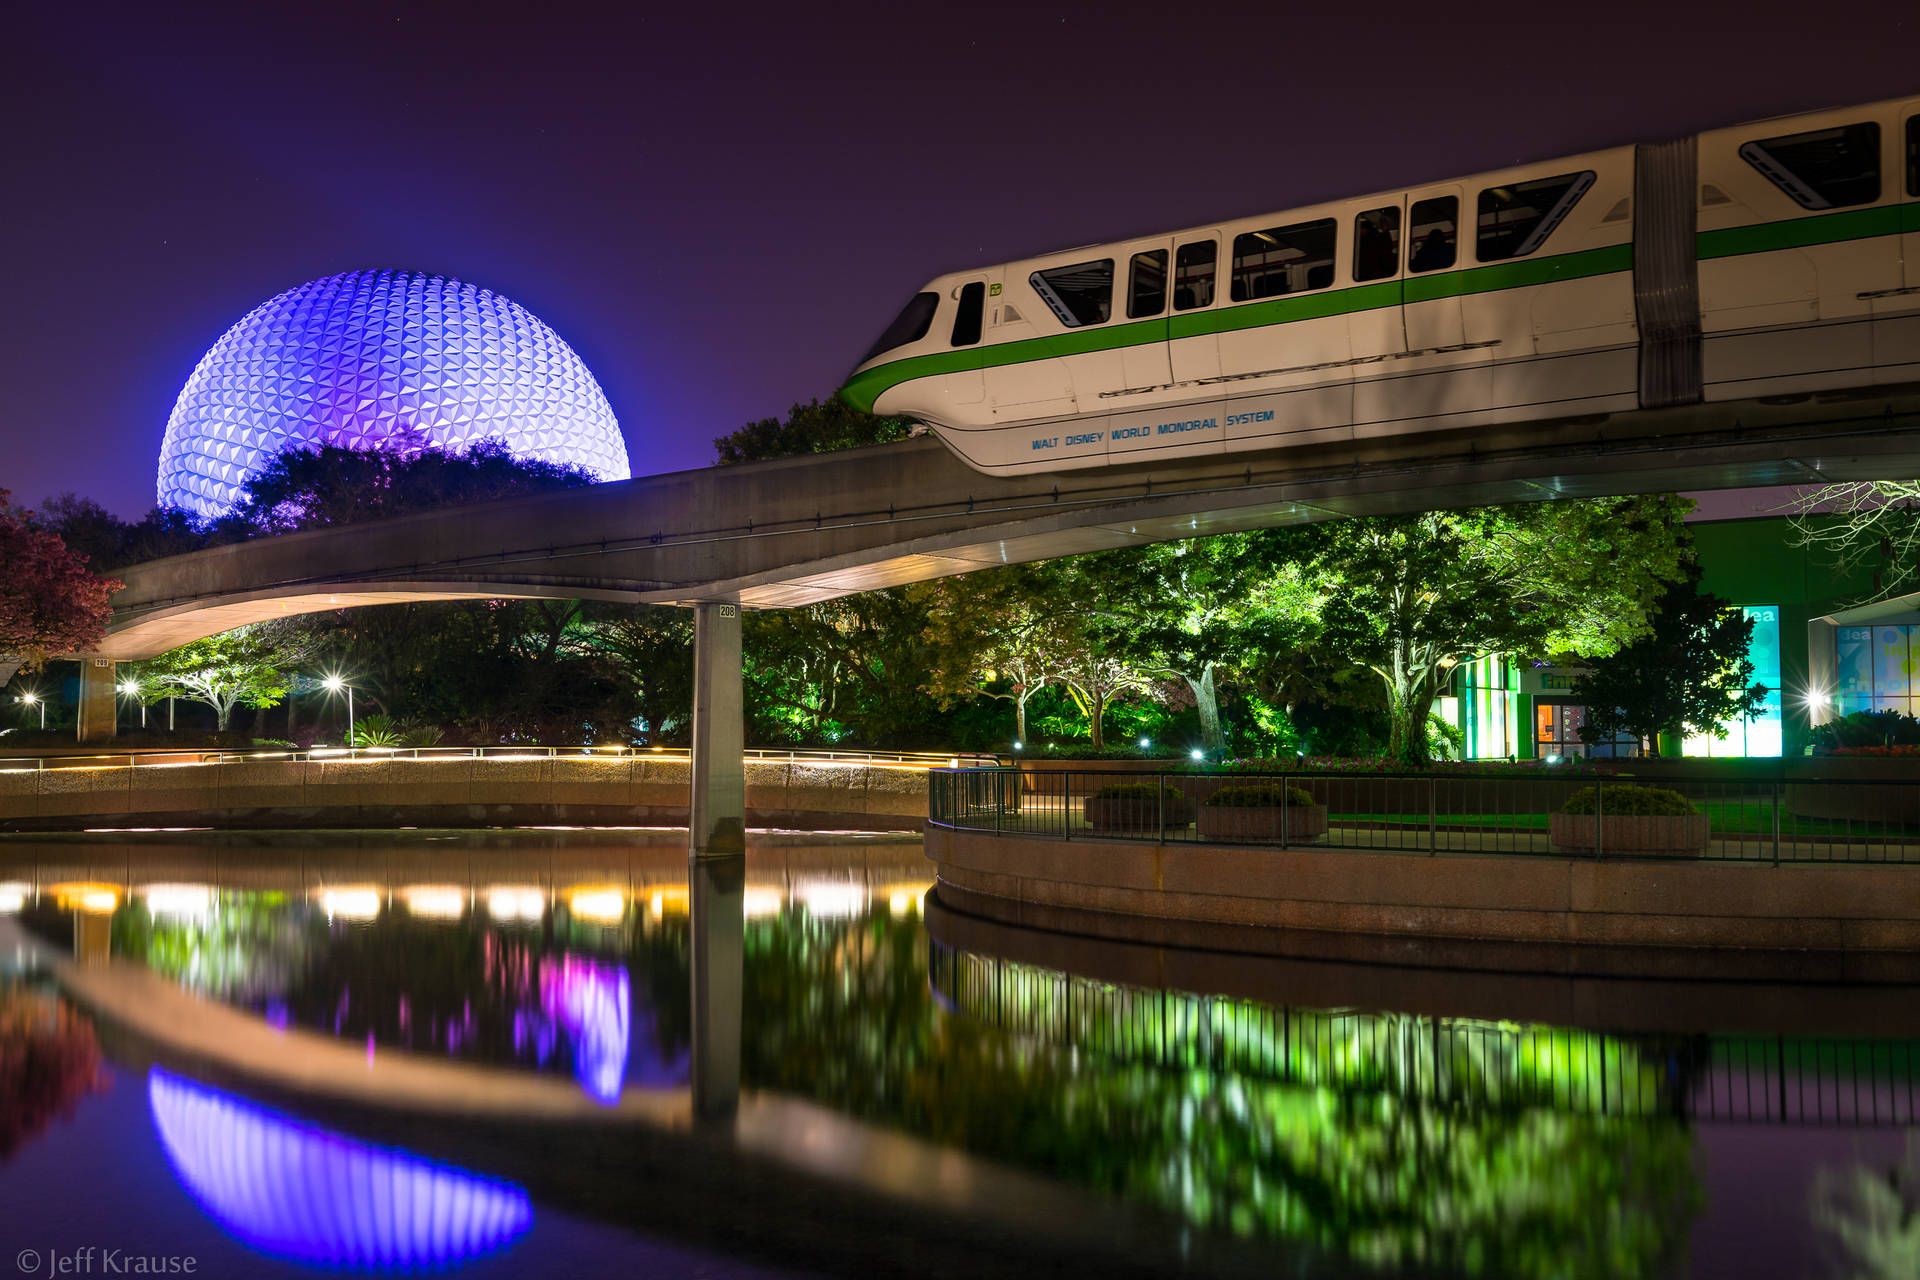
{"type": "Point", "coordinates": [604, 906]}
{"type": "Point", "coordinates": [351, 902]}
{"type": "Point", "coordinates": [297, 1191]}
{"type": "Point", "coordinates": [761, 902]}
{"type": "Point", "coordinates": [178, 899]}
{"type": "Point", "coordinates": [832, 897]}
{"type": "Point", "coordinates": [516, 902]}
{"type": "Point", "coordinates": [13, 897]}
{"type": "Point", "coordinates": [672, 898]}
{"type": "Point", "coordinates": [436, 901]}
{"type": "Point", "coordinates": [592, 999]}
{"type": "Point", "coordinates": [905, 899]}
{"type": "Point", "coordinates": [97, 899]}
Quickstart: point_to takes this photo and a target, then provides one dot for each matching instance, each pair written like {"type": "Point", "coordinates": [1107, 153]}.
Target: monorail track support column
{"type": "Point", "coordinates": [716, 858]}
{"type": "Point", "coordinates": [99, 709]}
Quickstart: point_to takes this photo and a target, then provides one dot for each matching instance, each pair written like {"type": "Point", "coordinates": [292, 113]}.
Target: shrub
{"type": "Point", "coordinates": [1627, 799]}
{"type": "Point", "coordinates": [1128, 791]}
{"type": "Point", "coordinates": [1260, 795]}
{"type": "Point", "coordinates": [1867, 729]}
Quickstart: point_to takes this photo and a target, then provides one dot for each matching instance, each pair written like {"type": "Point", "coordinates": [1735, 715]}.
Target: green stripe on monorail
{"type": "Point", "coordinates": [864, 388]}
{"type": "Point", "coordinates": [1799, 233]}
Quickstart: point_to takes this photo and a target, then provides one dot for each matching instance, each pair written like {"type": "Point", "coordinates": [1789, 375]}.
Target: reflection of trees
{"type": "Point", "coordinates": [248, 947]}
{"type": "Point", "coordinates": [49, 1060]}
{"type": "Point", "coordinates": [1873, 1216]}
{"type": "Point", "coordinates": [1349, 1151]}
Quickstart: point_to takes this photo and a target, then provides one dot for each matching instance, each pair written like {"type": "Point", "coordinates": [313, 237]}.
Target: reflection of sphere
{"type": "Point", "coordinates": [381, 358]}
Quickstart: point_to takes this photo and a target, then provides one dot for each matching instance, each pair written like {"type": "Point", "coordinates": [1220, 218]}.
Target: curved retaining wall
{"type": "Point", "coordinates": [1670, 918]}
{"type": "Point", "coordinates": [457, 791]}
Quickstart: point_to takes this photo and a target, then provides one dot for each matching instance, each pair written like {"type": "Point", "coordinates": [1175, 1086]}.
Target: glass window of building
{"type": "Point", "coordinates": [1517, 218]}
{"type": "Point", "coordinates": [1875, 669]}
{"type": "Point", "coordinates": [1433, 230]}
{"type": "Point", "coordinates": [1761, 735]}
{"type": "Point", "coordinates": [966, 325]}
{"type": "Point", "coordinates": [1376, 244]}
{"type": "Point", "coordinates": [1147, 284]}
{"type": "Point", "coordinates": [1193, 275]}
{"type": "Point", "coordinates": [1079, 295]}
{"type": "Point", "coordinates": [1281, 260]}
{"type": "Point", "coordinates": [1823, 168]}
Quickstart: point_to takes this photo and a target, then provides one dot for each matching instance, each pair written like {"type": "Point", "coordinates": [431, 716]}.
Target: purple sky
{"type": "Point", "coordinates": [720, 206]}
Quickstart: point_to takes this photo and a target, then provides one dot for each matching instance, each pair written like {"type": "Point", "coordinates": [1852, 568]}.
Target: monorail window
{"type": "Point", "coordinates": [1433, 230]}
{"type": "Point", "coordinates": [1824, 168]}
{"type": "Point", "coordinates": [1147, 284]}
{"type": "Point", "coordinates": [1517, 218]}
{"type": "Point", "coordinates": [1376, 243]}
{"type": "Point", "coordinates": [1193, 275]}
{"type": "Point", "coordinates": [910, 325]}
{"type": "Point", "coordinates": [1913, 155]}
{"type": "Point", "coordinates": [1079, 294]}
{"type": "Point", "coordinates": [1281, 260]}
{"type": "Point", "coordinates": [966, 325]}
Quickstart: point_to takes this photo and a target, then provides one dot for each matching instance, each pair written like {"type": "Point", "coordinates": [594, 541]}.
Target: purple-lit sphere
{"type": "Point", "coordinates": [381, 359]}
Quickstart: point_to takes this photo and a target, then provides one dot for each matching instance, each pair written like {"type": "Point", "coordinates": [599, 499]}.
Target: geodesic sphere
{"type": "Point", "coordinates": [381, 358]}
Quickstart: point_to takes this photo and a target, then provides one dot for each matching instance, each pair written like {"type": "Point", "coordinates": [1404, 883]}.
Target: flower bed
{"type": "Point", "coordinates": [1628, 819]}
{"type": "Point", "coordinates": [1263, 812]}
{"type": "Point", "coordinates": [1135, 807]}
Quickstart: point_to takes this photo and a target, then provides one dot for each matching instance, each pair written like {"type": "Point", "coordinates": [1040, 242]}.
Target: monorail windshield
{"type": "Point", "coordinates": [910, 325]}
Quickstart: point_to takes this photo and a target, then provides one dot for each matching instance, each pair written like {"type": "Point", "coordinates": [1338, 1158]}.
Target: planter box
{"type": "Point", "coordinates": [1856, 789]}
{"type": "Point", "coordinates": [1138, 816]}
{"type": "Point", "coordinates": [1225, 822]}
{"type": "Point", "coordinates": [1679, 835]}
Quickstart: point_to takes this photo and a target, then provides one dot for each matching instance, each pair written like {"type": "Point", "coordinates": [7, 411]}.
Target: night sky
{"type": "Point", "coordinates": [720, 206]}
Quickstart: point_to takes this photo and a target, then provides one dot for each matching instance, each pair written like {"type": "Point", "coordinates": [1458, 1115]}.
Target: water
{"type": "Point", "coordinates": [480, 1052]}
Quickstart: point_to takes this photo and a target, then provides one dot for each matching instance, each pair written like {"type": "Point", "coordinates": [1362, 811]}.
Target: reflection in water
{"type": "Point", "coordinates": [591, 1000]}
{"type": "Point", "coordinates": [309, 1194]}
{"type": "Point", "coordinates": [49, 1060]}
{"type": "Point", "coordinates": [1872, 1216]}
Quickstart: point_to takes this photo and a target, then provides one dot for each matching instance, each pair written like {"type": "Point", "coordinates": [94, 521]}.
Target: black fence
{"type": "Point", "coordinates": [1768, 820]}
{"type": "Point", "coordinates": [1460, 1062]}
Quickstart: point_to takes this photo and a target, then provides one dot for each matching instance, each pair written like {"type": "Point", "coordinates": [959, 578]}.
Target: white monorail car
{"type": "Point", "coordinates": [1770, 259]}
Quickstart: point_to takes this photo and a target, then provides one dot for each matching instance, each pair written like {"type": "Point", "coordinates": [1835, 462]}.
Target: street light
{"type": "Point", "coordinates": [335, 684]}
{"type": "Point", "coordinates": [131, 689]}
{"type": "Point", "coordinates": [31, 699]}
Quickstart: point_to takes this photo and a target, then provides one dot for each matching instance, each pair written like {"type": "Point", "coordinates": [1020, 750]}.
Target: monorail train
{"type": "Point", "coordinates": [1765, 260]}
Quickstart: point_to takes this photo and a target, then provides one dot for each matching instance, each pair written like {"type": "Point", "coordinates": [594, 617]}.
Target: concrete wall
{"type": "Point", "coordinates": [1676, 918]}
{"type": "Point", "coordinates": [448, 792]}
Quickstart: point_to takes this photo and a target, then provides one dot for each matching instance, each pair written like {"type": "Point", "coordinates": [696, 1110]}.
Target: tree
{"type": "Point", "coordinates": [1413, 596]}
{"type": "Point", "coordinates": [819, 426]}
{"type": "Point", "coordinates": [309, 488]}
{"type": "Point", "coordinates": [1690, 673]}
{"type": "Point", "coordinates": [108, 542]}
{"type": "Point", "coordinates": [235, 668]}
{"type": "Point", "coordinates": [1868, 524]}
{"type": "Point", "coordinates": [1203, 610]}
{"type": "Point", "coordinates": [50, 603]}
{"type": "Point", "coordinates": [1095, 677]}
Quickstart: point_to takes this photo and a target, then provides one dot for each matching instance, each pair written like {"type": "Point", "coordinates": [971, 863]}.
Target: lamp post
{"type": "Point", "coordinates": [32, 699]}
{"type": "Point", "coordinates": [335, 684]}
{"type": "Point", "coordinates": [132, 690]}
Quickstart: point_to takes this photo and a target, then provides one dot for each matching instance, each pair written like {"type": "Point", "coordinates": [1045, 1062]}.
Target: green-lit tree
{"type": "Point", "coordinates": [1689, 674]}
{"type": "Point", "coordinates": [233, 669]}
{"type": "Point", "coordinates": [1413, 596]}
{"type": "Point", "coordinates": [1204, 610]}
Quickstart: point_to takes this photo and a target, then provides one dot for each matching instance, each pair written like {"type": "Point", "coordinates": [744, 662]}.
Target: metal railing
{"type": "Point", "coordinates": [1463, 1062]}
{"type": "Point", "coordinates": [1780, 819]}
{"type": "Point", "coordinates": [176, 756]}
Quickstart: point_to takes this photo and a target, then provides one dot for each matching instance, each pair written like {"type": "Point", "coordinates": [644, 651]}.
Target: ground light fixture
{"type": "Point", "coordinates": [34, 699]}
{"type": "Point", "coordinates": [1198, 754]}
{"type": "Point", "coordinates": [1145, 743]}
